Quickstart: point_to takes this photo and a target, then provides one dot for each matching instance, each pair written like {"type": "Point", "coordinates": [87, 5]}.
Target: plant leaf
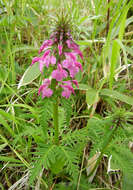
{"type": "Point", "coordinates": [30, 74]}
{"type": "Point", "coordinates": [117, 95]}
{"type": "Point", "coordinates": [114, 57]}
{"type": "Point", "coordinates": [91, 96]}
{"type": "Point", "coordinates": [9, 159]}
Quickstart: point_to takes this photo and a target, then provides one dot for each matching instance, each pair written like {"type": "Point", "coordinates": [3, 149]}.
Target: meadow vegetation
{"type": "Point", "coordinates": [93, 148]}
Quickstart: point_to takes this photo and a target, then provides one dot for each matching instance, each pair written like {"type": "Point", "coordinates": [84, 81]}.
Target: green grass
{"type": "Point", "coordinates": [104, 99]}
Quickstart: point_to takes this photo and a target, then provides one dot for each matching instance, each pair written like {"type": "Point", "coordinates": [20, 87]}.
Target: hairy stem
{"type": "Point", "coordinates": [55, 118]}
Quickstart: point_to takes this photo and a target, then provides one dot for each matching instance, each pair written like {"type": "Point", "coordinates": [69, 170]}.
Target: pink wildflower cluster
{"type": "Point", "coordinates": [59, 52]}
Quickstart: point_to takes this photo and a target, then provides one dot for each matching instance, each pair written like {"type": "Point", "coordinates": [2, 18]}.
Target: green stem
{"type": "Point", "coordinates": [55, 117]}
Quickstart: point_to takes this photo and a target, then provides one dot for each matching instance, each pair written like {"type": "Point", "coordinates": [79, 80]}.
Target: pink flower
{"type": "Point", "coordinates": [46, 92]}
{"type": "Point", "coordinates": [41, 65]}
{"type": "Point", "coordinates": [53, 60]}
{"type": "Point", "coordinates": [46, 60]}
{"type": "Point", "coordinates": [72, 45]}
{"type": "Point", "coordinates": [35, 59]}
{"type": "Point", "coordinates": [59, 73]}
{"type": "Point", "coordinates": [71, 67]}
{"type": "Point", "coordinates": [75, 82]}
{"type": "Point", "coordinates": [46, 53]}
{"type": "Point", "coordinates": [70, 56]}
{"type": "Point", "coordinates": [77, 51]}
{"type": "Point", "coordinates": [63, 69]}
{"type": "Point", "coordinates": [60, 49]}
{"type": "Point", "coordinates": [71, 64]}
{"type": "Point", "coordinates": [68, 89]}
{"type": "Point", "coordinates": [77, 64]}
{"type": "Point", "coordinates": [68, 82]}
{"type": "Point", "coordinates": [61, 36]}
{"type": "Point", "coordinates": [46, 44]}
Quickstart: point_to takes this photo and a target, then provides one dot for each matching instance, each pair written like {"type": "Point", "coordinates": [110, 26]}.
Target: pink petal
{"type": "Point", "coordinates": [73, 71]}
{"type": "Point", "coordinates": [47, 60]}
{"type": "Point", "coordinates": [47, 52]}
{"type": "Point", "coordinates": [41, 65]}
{"type": "Point", "coordinates": [70, 55]}
{"type": "Point", "coordinates": [40, 89]}
{"type": "Point", "coordinates": [72, 45]}
{"type": "Point", "coordinates": [64, 73]}
{"type": "Point", "coordinates": [66, 63]}
{"type": "Point", "coordinates": [55, 39]}
{"type": "Point", "coordinates": [35, 59]}
{"type": "Point", "coordinates": [53, 60]}
{"type": "Point", "coordinates": [61, 37]}
{"type": "Point", "coordinates": [79, 53]}
{"type": "Point", "coordinates": [75, 47]}
{"type": "Point", "coordinates": [56, 75]}
{"type": "Point", "coordinates": [45, 45]}
{"type": "Point", "coordinates": [47, 92]}
{"type": "Point", "coordinates": [75, 82]}
{"type": "Point", "coordinates": [66, 93]}
{"type": "Point", "coordinates": [59, 73]}
{"type": "Point", "coordinates": [68, 89]}
{"type": "Point", "coordinates": [68, 44]}
{"type": "Point", "coordinates": [60, 49]}
{"type": "Point", "coordinates": [47, 82]}
{"type": "Point", "coordinates": [79, 65]}
{"type": "Point", "coordinates": [67, 82]}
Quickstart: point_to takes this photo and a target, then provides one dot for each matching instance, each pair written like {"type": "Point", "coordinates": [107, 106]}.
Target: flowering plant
{"type": "Point", "coordinates": [60, 53]}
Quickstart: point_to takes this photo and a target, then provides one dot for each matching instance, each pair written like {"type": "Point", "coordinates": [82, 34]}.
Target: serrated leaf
{"type": "Point", "coordinates": [30, 74]}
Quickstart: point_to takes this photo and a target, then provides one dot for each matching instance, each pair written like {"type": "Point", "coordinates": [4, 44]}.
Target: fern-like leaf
{"type": "Point", "coordinates": [77, 136]}
{"type": "Point", "coordinates": [45, 156]}
{"type": "Point", "coordinates": [67, 105]}
{"type": "Point", "coordinates": [45, 114]}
